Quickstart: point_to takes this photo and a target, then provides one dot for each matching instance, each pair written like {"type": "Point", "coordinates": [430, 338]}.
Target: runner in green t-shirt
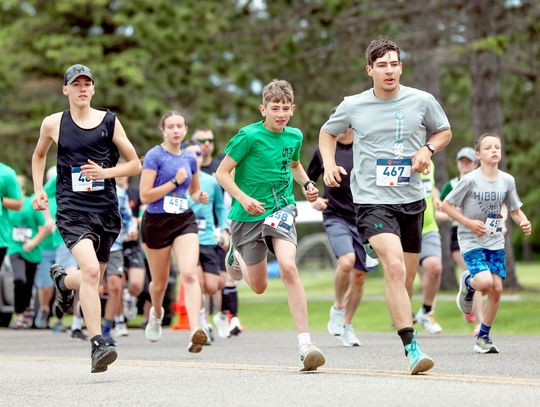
{"type": "Point", "coordinates": [10, 198]}
{"type": "Point", "coordinates": [431, 255]}
{"type": "Point", "coordinates": [27, 231]}
{"type": "Point", "coordinates": [265, 157]}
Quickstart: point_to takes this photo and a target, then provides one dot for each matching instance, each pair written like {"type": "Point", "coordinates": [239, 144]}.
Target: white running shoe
{"type": "Point", "coordinates": [349, 337]}
{"type": "Point", "coordinates": [130, 305]}
{"type": "Point", "coordinates": [335, 324]}
{"type": "Point", "coordinates": [311, 358]}
{"type": "Point", "coordinates": [232, 266]}
{"type": "Point", "coordinates": [121, 329]}
{"type": "Point", "coordinates": [153, 329]}
{"type": "Point", "coordinates": [234, 327]}
{"type": "Point", "coordinates": [222, 325]}
{"type": "Point", "coordinates": [428, 322]}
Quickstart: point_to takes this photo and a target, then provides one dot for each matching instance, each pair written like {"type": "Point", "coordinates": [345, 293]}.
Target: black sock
{"type": "Point", "coordinates": [406, 335]}
{"type": "Point", "coordinates": [97, 341]}
{"type": "Point", "coordinates": [229, 300]}
{"type": "Point", "coordinates": [427, 308]}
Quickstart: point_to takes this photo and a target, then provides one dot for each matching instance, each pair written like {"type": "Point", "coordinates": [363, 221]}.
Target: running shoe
{"type": "Point", "coordinates": [349, 337]}
{"type": "Point", "coordinates": [231, 263]}
{"type": "Point", "coordinates": [153, 329]}
{"type": "Point", "coordinates": [335, 324]}
{"type": "Point", "coordinates": [121, 329]}
{"type": "Point", "coordinates": [109, 340]}
{"type": "Point", "coordinates": [19, 323]}
{"type": "Point", "coordinates": [63, 302]}
{"type": "Point", "coordinates": [130, 305]}
{"type": "Point", "coordinates": [222, 325]}
{"type": "Point", "coordinates": [234, 327]}
{"type": "Point", "coordinates": [311, 358]}
{"type": "Point", "coordinates": [58, 327]}
{"type": "Point", "coordinates": [464, 298]}
{"type": "Point", "coordinates": [484, 345]}
{"type": "Point", "coordinates": [197, 341]}
{"type": "Point", "coordinates": [79, 334]}
{"type": "Point", "coordinates": [418, 361]}
{"type": "Point", "coordinates": [102, 356]}
{"type": "Point", "coordinates": [42, 319]}
{"type": "Point", "coordinates": [428, 322]}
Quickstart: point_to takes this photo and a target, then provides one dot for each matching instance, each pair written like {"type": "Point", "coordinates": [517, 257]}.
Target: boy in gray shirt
{"type": "Point", "coordinates": [480, 195]}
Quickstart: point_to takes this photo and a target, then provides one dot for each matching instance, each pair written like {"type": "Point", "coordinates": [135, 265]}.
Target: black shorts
{"type": "Point", "coordinates": [100, 227]}
{"type": "Point", "coordinates": [454, 244]}
{"type": "Point", "coordinates": [403, 220]}
{"type": "Point", "coordinates": [209, 259]}
{"type": "Point", "coordinates": [132, 255]}
{"type": "Point", "coordinates": [160, 229]}
{"type": "Point", "coordinates": [222, 253]}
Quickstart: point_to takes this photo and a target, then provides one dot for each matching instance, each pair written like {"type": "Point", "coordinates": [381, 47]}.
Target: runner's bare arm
{"type": "Point", "coordinates": [300, 176]}
{"type": "Point", "coordinates": [421, 160]}
{"type": "Point", "coordinates": [332, 172]}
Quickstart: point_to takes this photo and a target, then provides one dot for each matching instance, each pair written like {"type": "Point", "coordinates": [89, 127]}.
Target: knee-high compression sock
{"type": "Point", "coordinates": [229, 300]}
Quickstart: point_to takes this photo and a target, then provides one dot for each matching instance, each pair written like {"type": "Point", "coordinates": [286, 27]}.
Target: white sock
{"type": "Point", "coordinates": [304, 338]}
{"type": "Point", "coordinates": [202, 318]}
{"type": "Point", "coordinates": [118, 319]}
{"type": "Point", "coordinates": [76, 323]}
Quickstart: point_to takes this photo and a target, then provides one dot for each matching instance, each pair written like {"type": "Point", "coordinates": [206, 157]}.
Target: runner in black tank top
{"type": "Point", "coordinates": [89, 144]}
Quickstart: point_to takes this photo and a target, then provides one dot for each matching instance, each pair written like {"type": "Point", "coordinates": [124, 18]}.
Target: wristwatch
{"type": "Point", "coordinates": [308, 183]}
{"type": "Point", "coordinates": [175, 181]}
{"type": "Point", "coordinates": [430, 147]}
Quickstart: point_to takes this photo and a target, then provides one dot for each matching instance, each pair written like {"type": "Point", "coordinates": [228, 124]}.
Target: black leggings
{"type": "Point", "coordinates": [23, 280]}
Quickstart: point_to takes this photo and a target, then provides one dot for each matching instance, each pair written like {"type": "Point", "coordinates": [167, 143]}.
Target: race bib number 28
{"type": "Point", "coordinates": [393, 172]}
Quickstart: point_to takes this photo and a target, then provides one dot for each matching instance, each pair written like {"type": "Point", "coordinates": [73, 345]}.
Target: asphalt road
{"type": "Point", "coordinates": [261, 368]}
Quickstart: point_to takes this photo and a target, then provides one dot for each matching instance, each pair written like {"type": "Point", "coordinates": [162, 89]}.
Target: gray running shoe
{"type": "Point", "coordinates": [484, 345]}
{"type": "Point", "coordinates": [102, 357]}
{"type": "Point", "coordinates": [464, 298]}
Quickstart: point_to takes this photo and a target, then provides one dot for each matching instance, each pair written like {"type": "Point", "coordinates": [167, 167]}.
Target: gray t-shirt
{"type": "Point", "coordinates": [386, 131]}
{"type": "Point", "coordinates": [482, 199]}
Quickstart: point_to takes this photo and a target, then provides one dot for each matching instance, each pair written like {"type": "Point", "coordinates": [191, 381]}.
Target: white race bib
{"type": "Point", "coordinates": [21, 234]}
{"type": "Point", "coordinates": [493, 224]}
{"type": "Point", "coordinates": [428, 187]}
{"type": "Point", "coordinates": [393, 172]}
{"type": "Point", "coordinates": [80, 183]}
{"type": "Point", "coordinates": [280, 220]}
{"type": "Point", "coordinates": [174, 204]}
{"type": "Point", "coordinates": [201, 224]}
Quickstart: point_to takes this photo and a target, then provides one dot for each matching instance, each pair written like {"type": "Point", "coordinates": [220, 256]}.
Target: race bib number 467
{"type": "Point", "coordinates": [393, 172]}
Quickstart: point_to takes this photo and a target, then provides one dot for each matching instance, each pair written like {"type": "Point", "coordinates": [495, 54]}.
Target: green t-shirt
{"type": "Point", "coordinates": [52, 241]}
{"type": "Point", "coordinates": [9, 188]}
{"type": "Point", "coordinates": [430, 225]}
{"type": "Point", "coordinates": [27, 220]}
{"type": "Point", "coordinates": [263, 167]}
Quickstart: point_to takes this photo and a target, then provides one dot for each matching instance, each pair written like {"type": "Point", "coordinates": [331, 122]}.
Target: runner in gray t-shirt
{"type": "Point", "coordinates": [391, 124]}
{"type": "Point", "coordinates": [481, 195]}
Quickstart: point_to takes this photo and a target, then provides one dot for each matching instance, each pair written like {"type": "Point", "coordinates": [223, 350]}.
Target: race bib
{"type": "Point", "coordinates": [393, 172]}
{"type": "Point", "coordinates": [201, 224]}
{"type": "Point", "coordinates": [493, 224]}
{"type": "Point", "coordinates": [280, 220]}
{"type": "Point", "coordinates": [174, 204]}
{"type": "Point", "coordinates": [21, 234]}
{"type": "Point", "coordinates": [428, 187]}
{"type": "Point", "coordinates": [80, 183]}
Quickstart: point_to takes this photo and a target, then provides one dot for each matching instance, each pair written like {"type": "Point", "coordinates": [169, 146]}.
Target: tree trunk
{"type": "Point", "coordinates": [484, 68]}
{"type": "Point", "coordinates": [426, 77]}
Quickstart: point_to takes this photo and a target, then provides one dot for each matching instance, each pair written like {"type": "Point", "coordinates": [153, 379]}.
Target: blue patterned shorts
{"type": "Point", "coordinates": [478, 260]}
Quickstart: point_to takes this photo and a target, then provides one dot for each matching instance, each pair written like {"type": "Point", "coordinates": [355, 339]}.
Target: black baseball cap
{"type": "Point", "coordinates": [74, 71]}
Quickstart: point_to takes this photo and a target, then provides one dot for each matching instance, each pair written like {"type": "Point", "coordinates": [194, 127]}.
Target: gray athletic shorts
{"type": "Point", "coordinates": [253, 240]}
{"type": "Point", "coordinates": [115, 266]}
{"type": "Point", "coordinates": [431, 246]}
{"type": "Point", "coordinates": [344, 239]}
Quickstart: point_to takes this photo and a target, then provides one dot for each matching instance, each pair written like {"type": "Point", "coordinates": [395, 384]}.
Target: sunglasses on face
{"type": "Point", "coordinates": [205, 140]}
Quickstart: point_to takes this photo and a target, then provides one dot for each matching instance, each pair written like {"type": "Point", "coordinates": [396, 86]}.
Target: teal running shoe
{"type": "Point", "coordinates": [418, 361]}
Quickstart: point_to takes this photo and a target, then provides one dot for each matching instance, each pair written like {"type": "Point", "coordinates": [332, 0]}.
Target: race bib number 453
{"type": "Point", "coordinates": [393, 172]}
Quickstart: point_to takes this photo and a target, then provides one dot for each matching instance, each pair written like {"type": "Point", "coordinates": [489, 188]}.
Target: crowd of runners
{"type": "Point", "coordinates": [101, 247]}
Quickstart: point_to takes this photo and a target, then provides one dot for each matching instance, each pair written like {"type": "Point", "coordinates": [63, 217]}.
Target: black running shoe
{"type": "Point", "coordinates": [63, 302]}
{"type": "Point", "coordinates": [79, 334]}
{"type": "Point", "coordinates": [102, 356]}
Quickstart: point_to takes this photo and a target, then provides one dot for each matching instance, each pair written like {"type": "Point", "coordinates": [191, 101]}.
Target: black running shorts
{"type": "Point", "coordinates": [403, 220]}
{"type": "Point", "coordinates": [160, 229]}
{"type": "Point", "coordinates": [100, 227]}
{"type": "Point", "coordinates": [210, 260]}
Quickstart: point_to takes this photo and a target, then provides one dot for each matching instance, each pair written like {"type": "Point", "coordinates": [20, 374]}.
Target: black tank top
{"type": "Point", "coordinates": [75, 146]}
